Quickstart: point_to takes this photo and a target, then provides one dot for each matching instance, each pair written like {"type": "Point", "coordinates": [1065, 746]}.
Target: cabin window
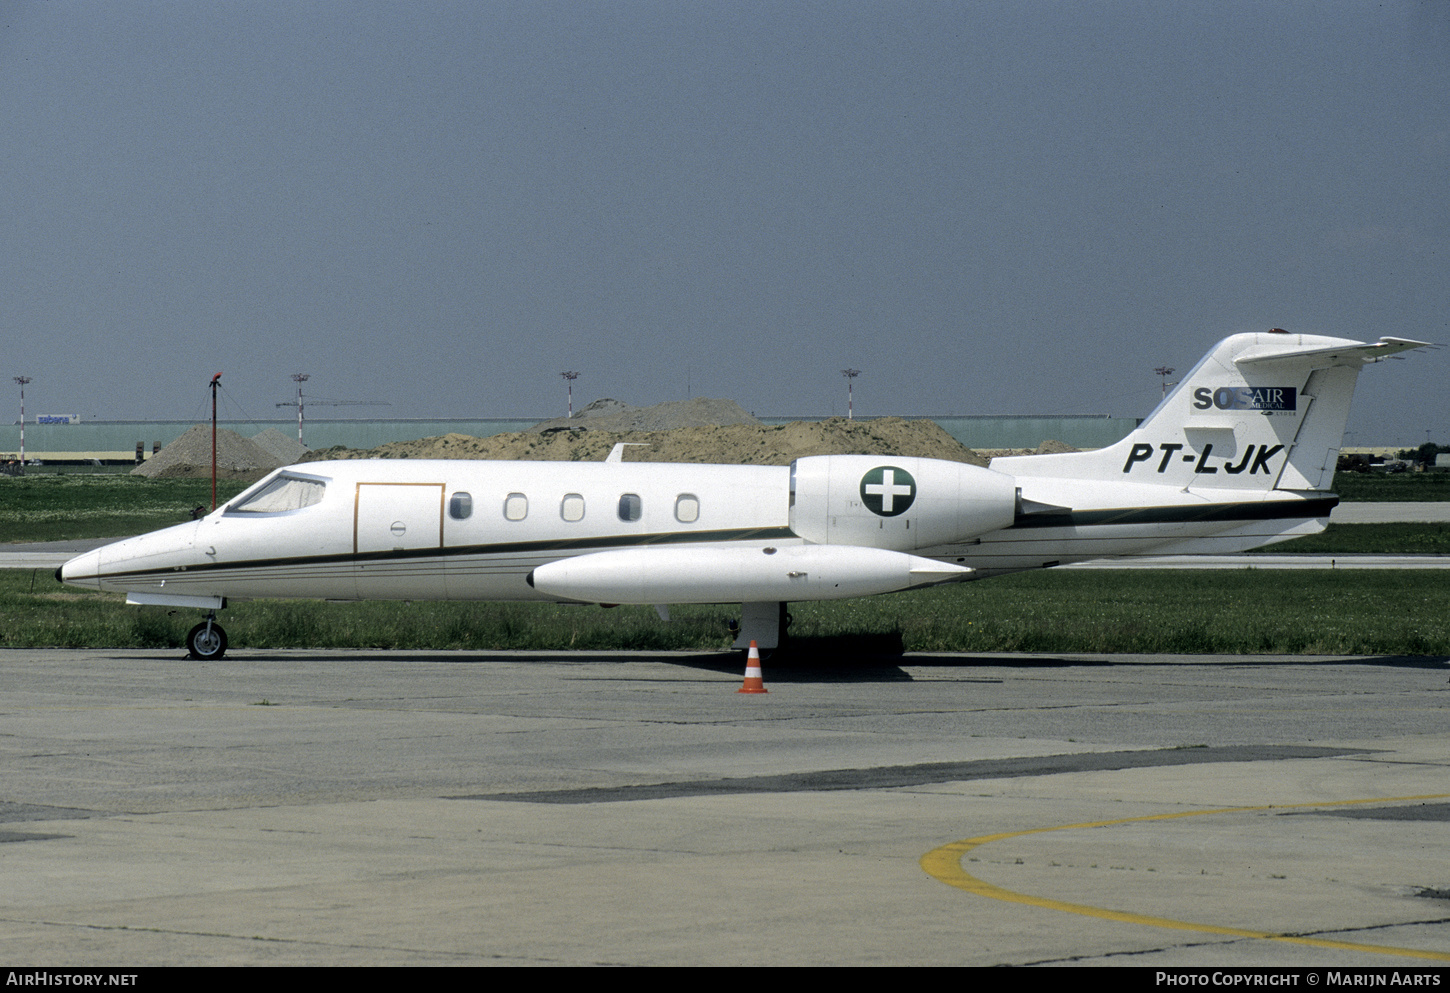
{"type": "Point", "coordinates": [571, 508]}
{"type": "Point", "coordinates": [687, 508]}
{"type": "Point", "coordinates": [630, 507]}
{"type": "Point", "coordinates": [460, 506]}
{"type": "Point", "coordinates": [281, 494]}
{"type": "Point", "coordinates": [515, 507]}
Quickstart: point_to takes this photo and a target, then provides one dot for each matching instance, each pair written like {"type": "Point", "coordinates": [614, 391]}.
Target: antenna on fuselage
{"type": "Point", "coordinates": [616, 454]}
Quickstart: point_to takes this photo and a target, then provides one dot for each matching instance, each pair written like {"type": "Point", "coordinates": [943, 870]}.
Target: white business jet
{"type": "Point", "coordinates": [1240, 454]}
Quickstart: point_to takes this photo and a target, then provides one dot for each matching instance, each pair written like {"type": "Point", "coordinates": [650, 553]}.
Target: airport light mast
{"type": "Point", "coordinates": [850, 374]}
{"type": "Point", "coordinates": [1164, 372]}
{"type": "Point", "coordinates": [301, 377]}
{"type": "Point", "coordinates": [22, 380]}
{"type": "Point", "coordinates": [570, 377]}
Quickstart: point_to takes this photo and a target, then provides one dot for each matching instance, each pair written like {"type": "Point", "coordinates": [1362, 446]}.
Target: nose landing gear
{"type": "Point", "coordinates": [206, 642]}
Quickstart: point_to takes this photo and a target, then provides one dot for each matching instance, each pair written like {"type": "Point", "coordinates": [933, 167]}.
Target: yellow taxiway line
{"type": "Point", "coordinates": [945, 864]}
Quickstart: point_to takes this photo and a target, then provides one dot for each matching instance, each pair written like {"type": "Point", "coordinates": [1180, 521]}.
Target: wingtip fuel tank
{"type": "Point", "coordinates": [699, 575]}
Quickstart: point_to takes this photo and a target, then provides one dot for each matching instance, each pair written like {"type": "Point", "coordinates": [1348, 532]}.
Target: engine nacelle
{"type": "Point", "coordinates": [885, 501]}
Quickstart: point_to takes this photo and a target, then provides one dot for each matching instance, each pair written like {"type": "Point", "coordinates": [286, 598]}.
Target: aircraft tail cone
{"type": "Point", "coordinates": [754, 682]}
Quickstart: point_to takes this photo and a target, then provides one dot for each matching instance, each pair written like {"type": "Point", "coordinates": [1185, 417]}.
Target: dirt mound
{"type": "Point", "coordinates": [612, 415]}
{"type": "Point", "coordinates": [190, 455]}
{"type": "Point", "coordinates": [1048, 447]}
{"type": "Point", "coordinates": [731, 444]}
{"type": "Point", "coordinates": [282, 447]}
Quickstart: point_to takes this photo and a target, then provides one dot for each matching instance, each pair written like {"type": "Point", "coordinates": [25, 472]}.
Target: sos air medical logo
{"type": "Point", "coordinates": [1268, 399]}
{"type": "Point", "coordinates": [887, 490]}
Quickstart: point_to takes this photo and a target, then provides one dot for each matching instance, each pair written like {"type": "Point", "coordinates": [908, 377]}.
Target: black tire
{"type": "Point", "coordinates": [204, 647]}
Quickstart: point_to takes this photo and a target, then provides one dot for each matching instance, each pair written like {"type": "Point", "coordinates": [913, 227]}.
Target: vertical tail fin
{"type": "Point", "coordinates": [1258, 412]}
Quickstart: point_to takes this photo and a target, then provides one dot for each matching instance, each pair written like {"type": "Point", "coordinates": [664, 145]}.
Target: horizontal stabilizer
{"type": "Point", "coordinates": [1348, 353]}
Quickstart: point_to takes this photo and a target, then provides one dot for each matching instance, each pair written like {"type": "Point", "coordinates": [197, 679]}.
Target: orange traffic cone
{"type": "Point", "coordinates": [754, 682]}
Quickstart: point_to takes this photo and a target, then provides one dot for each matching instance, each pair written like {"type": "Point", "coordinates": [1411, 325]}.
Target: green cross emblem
{"type": "Point", "coordinates": [888, 490]}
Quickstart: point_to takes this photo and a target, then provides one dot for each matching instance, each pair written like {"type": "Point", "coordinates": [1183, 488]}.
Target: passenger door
{"type": "Point", "coordinates": [400, 518]}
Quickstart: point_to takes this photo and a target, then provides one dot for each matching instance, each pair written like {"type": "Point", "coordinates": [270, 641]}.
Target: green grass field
{"type": "Point", "coordinates": [56, 506]}
{"type": "Point", "coordinates": [1396, 487]}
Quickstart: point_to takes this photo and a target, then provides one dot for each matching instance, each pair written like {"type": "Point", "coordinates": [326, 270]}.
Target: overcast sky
{"type": "Point", "coordinates": [994, 207]}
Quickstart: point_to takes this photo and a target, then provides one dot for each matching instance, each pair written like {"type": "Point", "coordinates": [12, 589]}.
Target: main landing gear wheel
{"type": "Point", "coordinates": [206, 642]}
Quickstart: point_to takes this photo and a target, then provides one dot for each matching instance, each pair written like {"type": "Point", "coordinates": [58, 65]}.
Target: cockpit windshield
{"type": "Point", "coordinates": [281, 494]}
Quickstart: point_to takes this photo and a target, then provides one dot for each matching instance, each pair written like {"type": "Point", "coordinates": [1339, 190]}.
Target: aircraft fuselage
{"type": "Point", "coordinates": [474, 530]}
